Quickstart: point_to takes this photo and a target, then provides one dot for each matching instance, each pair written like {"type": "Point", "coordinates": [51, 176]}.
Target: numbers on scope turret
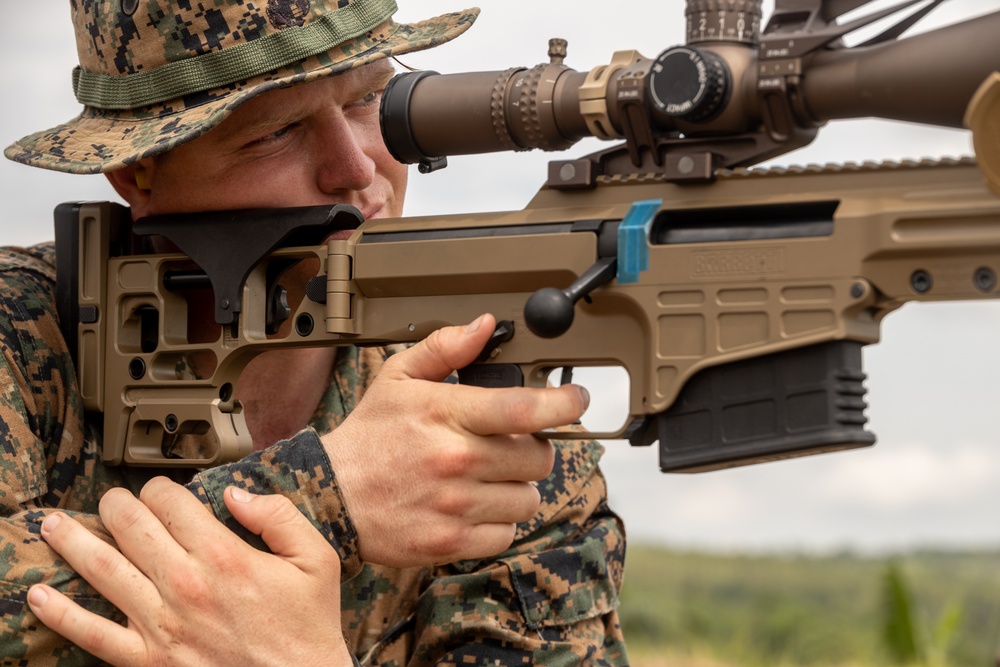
{"type": "Point", "coordinates": [722, 25]}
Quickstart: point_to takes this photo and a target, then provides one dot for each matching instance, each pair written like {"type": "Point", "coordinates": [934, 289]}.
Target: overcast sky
{"type": "Point", "coordinates": [934, 477]}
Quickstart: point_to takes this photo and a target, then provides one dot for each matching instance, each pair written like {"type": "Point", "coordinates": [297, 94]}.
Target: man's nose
{"type": "Point", "coordinates": [342, 155]}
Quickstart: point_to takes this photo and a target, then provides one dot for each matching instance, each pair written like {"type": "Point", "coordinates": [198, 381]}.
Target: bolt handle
{"type": "Point", "coordinates": [549, 311]}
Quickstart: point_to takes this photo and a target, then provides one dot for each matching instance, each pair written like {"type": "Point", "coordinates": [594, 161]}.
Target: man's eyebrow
{"type": "Point", "coordinates": [274, 117]}
{"type": "Point", "coordinates": [368, 78]}
{"type": "Point", "coordinates": [375, 75]}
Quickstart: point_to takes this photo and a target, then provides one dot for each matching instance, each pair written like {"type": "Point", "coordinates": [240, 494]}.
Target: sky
{"type": "Point", "coordinates": [932, 479]}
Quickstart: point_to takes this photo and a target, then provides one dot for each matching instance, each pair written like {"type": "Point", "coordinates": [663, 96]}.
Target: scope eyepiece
{"type": "Point", "coordinates": [397, 130]}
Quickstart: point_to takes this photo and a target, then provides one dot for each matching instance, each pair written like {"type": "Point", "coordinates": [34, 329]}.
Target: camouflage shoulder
{"type": "Point", "coordinates": [39, 259]}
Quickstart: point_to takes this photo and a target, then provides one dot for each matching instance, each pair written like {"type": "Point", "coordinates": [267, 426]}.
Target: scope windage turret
{"type": "Point", "coordinates": [732, 96]}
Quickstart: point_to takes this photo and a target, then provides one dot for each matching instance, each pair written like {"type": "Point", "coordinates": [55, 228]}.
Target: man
{"type": "Point", "coordinates": [193, 107]}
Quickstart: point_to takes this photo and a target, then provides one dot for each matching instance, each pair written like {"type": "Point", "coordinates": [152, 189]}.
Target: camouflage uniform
{"type": "Point", "coordinates": [550, 599]}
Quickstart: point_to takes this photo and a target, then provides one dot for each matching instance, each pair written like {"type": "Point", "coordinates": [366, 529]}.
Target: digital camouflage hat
{"type": "Point", "coordinates": [154, 74]}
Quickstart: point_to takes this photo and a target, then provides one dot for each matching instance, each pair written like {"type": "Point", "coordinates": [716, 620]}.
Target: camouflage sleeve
{"type": "Point", "coordinates": [48, 461]}
{"type": "Point", "coordinates": [551, 599]}
{"type": "Point", "coordinates": [299, 469]}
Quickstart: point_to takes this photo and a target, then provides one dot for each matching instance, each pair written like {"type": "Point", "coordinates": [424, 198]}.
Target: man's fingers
{"type": "Point", "coordinates": [480, 541]}
{"type": "Point", "coordinates": [97, 635]}
{"type": "Point", "coordinates": [498, 458]}
{"type": "Point", "coordinates": [140, 535]}
{"type": "Point", "coordinates": [522, 409]}
{"type": "Point", "coordinates": [444, 351]}
{"type": "Point", "coordinates": [488, 412]}
{"type": "Point", "coordinates": [182, 516]}
{"type": "Point", "coordinates": [282, 527]}
{"type": "Point", "coordinates": [498, 502]}
{"type": "Point", "coordinates": [98, 562]}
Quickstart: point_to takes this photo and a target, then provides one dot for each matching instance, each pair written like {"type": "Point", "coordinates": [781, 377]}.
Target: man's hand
{"type": "Point", "coordinates": [433, 472]}
{"type": "Point", "coordinates": [194, 593]}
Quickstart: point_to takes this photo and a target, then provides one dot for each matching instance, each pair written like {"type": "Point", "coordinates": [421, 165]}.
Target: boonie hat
{"type": "Point", "coordinates": [154, 74]}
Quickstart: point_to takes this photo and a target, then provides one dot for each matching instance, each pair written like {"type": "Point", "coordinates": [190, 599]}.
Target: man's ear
{"type": "Point", "coordinates": [134, 184]}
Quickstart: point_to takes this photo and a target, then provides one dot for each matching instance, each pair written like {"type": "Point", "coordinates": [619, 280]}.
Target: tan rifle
{"type": "Point", "coordinates": [737, 300]}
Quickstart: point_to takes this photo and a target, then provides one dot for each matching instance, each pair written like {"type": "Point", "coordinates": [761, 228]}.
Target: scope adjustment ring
{"type": "Point", "coordinates": [689, 84]}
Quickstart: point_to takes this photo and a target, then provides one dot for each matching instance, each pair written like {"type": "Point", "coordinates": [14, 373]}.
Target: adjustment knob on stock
{"type": "Point", "coordinates": [689, 84]}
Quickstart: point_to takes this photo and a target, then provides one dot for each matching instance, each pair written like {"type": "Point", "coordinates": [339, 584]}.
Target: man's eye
{"type": "Point", "coordinates": [368, 99]}
{"type": "Point", "coordinates": [277, 135]}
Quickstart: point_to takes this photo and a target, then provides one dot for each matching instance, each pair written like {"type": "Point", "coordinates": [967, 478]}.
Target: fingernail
{"type": "Point", "coordinates": [51, 521]}
{"type": "Point", "coordinates": [240, 496]}
{"type": "Point", "coordinates": [474, 327]}
{"type": "Point", "coordinates": [585, 397]}
{"type": "Point", "coordinates": [37, 596]}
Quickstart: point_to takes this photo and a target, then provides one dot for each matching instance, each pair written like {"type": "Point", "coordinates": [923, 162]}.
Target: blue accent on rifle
{"type": "Point", "coordinates": [633, 249]}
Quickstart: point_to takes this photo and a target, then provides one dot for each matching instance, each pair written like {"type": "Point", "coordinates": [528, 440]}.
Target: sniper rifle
{"type": "Point", "coordinates": [737, 299]}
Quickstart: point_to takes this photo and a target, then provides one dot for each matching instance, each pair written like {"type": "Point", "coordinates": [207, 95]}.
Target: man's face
{"type": "Point", "coordinates": [310, 144]}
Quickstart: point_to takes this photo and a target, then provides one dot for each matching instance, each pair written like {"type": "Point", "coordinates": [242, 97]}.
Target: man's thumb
{"type": "Point", "coordinates": [444, 351]}
{"type": "Point", "coordinates": [283, 528]}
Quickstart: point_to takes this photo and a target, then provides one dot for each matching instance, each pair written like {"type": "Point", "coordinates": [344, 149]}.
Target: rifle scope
{"type": "Point", "coordinates": [729, 81]}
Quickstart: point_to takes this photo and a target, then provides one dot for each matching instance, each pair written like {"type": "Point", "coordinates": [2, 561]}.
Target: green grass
{"type": "Point", "coordinates": [778, 610]}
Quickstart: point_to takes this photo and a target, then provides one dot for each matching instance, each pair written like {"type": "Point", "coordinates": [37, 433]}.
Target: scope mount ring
{"type": "Point", "coordinates": [593, 91]}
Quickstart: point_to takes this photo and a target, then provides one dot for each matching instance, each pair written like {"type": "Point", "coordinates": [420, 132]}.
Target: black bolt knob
{"type": "Point", "coordinates": [548, 312]}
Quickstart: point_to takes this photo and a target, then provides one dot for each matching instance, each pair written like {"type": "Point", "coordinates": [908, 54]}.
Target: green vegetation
{"type": "Point", "coordinates": [907, 638]}
{"type": "Point", "coordinates": [928, 608]}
